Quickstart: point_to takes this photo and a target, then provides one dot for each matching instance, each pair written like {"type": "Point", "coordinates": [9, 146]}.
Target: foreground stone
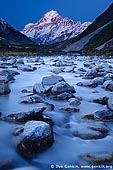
{"type": "Point", "coordinates": [36, 137]}
{"type": "Point", "coordinates": [98, 157]}
{"type": "Point", "coordinates": [89, 130]}
{"type": "Point", "coordinates": [103, 115]}
{"type": "Point", "coordinates": [35, 114]}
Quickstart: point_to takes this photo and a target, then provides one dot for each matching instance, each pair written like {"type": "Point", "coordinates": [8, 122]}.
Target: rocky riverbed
{"type": "Point", "coordinates": [56, 112]}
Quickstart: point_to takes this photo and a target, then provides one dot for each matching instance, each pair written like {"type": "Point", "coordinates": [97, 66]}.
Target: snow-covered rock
{"type": "Point", "coordinates": [36, 137]}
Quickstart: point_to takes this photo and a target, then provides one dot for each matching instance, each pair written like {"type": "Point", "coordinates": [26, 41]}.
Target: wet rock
{"type": "Point", "coordinates": [36, 137]}
{"type": "Point", "coordinates": [87, 84]}
{"type": "Point", "coordinates": [110, 103]}
{"type": "Point", "coordinates": [74, 101]}
{"type": "Point", "coordinates": [63, 96]}
{"type": "Point", "coordinates": [4, 88]}
{"type": "Point", "coordinates": [89, 130]}
{"type": "Point", "coordinates": [108, 85]}
{"type": "Point", "coordinates": [98, 157]}
{"type": "Point", "coordinates": [102, 100]}
{"type": "Point", "coordinates": [104, 115]}
{"type": "Point", "coordinates": [70, 109]}
{"type": "Point", "coordinates": [51, 80]}
{"type": "Point", "coordinates": [62, 87]}
{"type": "Point", "coordinates": [39, 88]}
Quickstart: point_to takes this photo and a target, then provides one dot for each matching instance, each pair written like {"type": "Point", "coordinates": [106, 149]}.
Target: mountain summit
{"type": "Point", "coordinates": [53, 28]}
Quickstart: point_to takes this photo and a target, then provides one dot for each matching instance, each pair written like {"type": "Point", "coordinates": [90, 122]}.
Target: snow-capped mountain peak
{"type": "Point", "coordinates": [50, 15]}
{"type": "Point", "coordinates": [53, 28]}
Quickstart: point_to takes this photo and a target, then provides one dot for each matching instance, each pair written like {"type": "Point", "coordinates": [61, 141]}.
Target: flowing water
{"type": "Point", "coordinates": [66, 150]}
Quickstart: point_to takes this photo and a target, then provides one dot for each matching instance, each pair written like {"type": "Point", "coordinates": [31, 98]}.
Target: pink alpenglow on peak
{"type": "Point", "coordinates": [52, 28]}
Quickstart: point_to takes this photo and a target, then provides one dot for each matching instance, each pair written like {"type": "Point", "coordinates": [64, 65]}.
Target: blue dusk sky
{"type": "Point", "coordinates": [21, 12]}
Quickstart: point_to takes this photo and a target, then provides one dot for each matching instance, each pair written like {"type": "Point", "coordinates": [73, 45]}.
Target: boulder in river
{"type": "Point", "coordinates": [62, 87]}
{"type": "Point", "coordinates": [36, 137]}
{"type": "Point", "coordinates": [98, 157]}
{"type": "Point", "coordinates": [51, 80]}
{"type": "Point", "coordinates": [103, 115]}
{"type": "Point", "coordinates": [89, 130]}
{"type": "Point", "coordinates": [35, 114]}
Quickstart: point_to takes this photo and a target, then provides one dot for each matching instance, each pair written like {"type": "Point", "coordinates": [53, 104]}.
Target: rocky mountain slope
{"type": "Point", "coordinates": [98, 34]}
{"type": "Point", "coordinates": [9, 35]}
{"type": "Point", "coordinates": [52, 28]}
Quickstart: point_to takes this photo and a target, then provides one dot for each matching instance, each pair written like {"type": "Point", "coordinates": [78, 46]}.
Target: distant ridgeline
{"type": "Point", "coordinates": [97, 38]}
